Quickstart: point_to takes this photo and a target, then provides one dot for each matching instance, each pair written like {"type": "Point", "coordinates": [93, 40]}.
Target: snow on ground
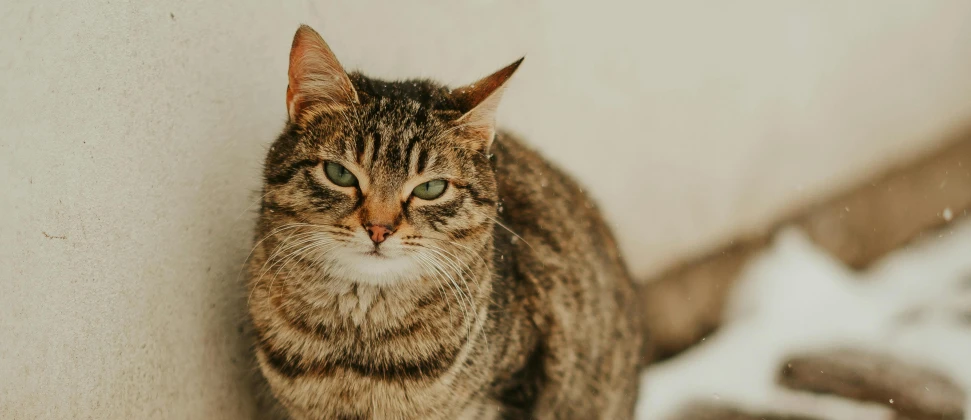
{"type": "Point", "coordinates": [915, 303]}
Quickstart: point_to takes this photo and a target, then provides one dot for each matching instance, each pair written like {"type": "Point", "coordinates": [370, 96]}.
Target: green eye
{"type": "Point", "coordinates": [430, 190]}
{"type": "Point", "coordinates": [339, 175]}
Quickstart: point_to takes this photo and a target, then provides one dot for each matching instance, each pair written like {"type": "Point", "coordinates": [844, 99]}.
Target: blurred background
{"type": "Point", "coordinates": [132, 136]}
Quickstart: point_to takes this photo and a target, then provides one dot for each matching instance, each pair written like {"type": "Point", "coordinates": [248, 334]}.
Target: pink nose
{"type": "Point", "coordinates": [379, 233]}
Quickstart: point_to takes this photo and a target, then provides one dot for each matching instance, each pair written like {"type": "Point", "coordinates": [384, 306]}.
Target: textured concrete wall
{"type": "Point", "coordinates": [131, 136]}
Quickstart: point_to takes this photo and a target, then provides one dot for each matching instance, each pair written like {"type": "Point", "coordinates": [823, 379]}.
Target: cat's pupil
{"type": "Point", "coordinates": [430, 190]}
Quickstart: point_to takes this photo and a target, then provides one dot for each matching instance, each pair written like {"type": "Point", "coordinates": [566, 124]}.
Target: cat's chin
{"type": "Point", "coordinates": [378, 269]}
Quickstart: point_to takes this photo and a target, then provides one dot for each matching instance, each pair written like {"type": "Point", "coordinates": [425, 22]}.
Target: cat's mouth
{"type": "Point", "coordinates": [376, 253]}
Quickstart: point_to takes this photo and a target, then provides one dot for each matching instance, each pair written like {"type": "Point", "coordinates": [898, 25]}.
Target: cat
{"type": "Point", "coordinates": [414, 262]}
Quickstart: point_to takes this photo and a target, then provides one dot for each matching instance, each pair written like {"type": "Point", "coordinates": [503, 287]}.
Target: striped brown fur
{"type": "Point", "coordinates": [505, 297]}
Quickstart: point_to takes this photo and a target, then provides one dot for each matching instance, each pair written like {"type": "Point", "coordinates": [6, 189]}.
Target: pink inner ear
{"type": "Point", "coordinates": [291, 108]}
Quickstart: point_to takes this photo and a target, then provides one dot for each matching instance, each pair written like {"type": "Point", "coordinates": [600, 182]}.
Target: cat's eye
{"type": "Point", "coordinates": [339, 175]}
{"type": "Point", "coordinates": [430, 190]}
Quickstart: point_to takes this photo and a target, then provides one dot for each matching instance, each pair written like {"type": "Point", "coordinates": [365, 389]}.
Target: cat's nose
{"type": "Point", "coordinates": [379, 233]}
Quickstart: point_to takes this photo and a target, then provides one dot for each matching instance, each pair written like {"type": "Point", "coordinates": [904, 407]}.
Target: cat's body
{"type": "Point", "coordinates": [504, 296]}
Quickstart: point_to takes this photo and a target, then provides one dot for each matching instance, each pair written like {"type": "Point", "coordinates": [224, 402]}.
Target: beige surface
{"type": "Point", "coordinates": [131, 138]}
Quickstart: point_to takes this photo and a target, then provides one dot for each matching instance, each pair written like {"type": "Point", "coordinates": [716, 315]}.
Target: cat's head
{"type": "Point", "coordinates": [377, 181]}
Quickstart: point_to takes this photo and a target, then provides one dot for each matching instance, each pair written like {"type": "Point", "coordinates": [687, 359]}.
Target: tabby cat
{"type": "Point", "coordinates": [413, 262]}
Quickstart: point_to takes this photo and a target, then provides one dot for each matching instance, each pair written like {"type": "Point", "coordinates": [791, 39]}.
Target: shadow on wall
{"type": "Point", "coordinates": [232, 239]}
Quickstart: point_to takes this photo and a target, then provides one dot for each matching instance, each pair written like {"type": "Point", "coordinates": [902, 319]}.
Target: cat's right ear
{"type": "Point", "coordinates": [479, 102]}
{"type": "Point", "coordinates": [317, 79]}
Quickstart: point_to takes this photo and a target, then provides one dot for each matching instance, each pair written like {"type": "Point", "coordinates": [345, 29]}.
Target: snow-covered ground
{"type": "Point", "coordinates": [915, 304]}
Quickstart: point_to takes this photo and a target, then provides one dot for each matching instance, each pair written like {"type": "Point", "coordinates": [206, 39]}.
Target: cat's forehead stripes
{"type": "Point", "coordinates": [394, 136]}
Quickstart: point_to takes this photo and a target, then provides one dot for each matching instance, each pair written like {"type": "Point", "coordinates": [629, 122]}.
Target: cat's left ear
{"type": "Point", "coordinates": [316, 78]}
{"type": "Point", "coordinates": [479, 102]}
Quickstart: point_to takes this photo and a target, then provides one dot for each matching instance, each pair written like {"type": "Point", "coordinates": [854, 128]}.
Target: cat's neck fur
{"type": "Point", "coordinates": [370, 310]}
{"type": "Point", "coordinates": [366, 306]}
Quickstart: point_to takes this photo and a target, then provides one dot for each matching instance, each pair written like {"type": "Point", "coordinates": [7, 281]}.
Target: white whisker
{"type": "Point", "coordinates": [511, 231]}
{"type": "Point", "coordinates": [454, 287]}
{"type": "Point", "coordinates": [441, 288]}
{"type": "Point", "coordinates": [467, 293]}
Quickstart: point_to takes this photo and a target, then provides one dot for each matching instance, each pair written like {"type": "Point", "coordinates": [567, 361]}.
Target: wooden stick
{"type": "Point", "coordinates": [705, 411]}
{"type": "Point", "coordinates": [913, 392]}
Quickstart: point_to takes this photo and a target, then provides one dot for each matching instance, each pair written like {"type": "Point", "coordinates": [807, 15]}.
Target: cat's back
{"type": "Point", "coordinates": [555, 250]}
{"type": "Point", "coordinates": [539, 201]}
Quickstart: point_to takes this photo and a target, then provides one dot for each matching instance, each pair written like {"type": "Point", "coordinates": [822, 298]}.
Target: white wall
{"type": "Point", "coordinates": [131, 137]}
